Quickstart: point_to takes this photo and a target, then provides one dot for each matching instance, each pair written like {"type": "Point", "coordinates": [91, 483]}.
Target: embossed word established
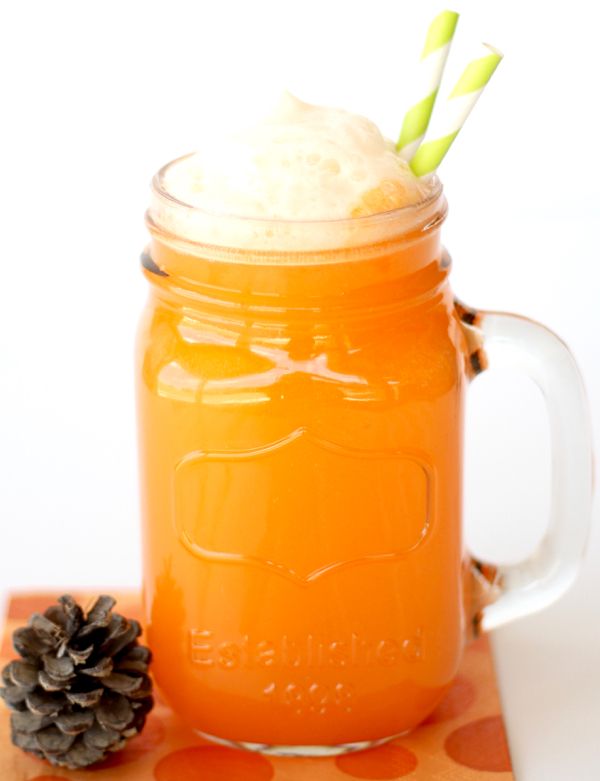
{"type": "Point", "coordinates": [208, 650]}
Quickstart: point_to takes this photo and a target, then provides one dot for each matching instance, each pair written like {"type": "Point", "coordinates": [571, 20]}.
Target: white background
{"type": "Point", "coordinates": [96, 96]}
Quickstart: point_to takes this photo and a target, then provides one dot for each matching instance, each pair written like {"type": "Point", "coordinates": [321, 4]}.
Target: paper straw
{"type": "Point", "coordinates": [452, 114]}
{"type": "Point", "coordinates": [433, 60]}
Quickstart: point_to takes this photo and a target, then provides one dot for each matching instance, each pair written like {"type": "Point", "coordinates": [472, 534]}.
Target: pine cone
{"type": "Point", "coordinates": [81, 688]}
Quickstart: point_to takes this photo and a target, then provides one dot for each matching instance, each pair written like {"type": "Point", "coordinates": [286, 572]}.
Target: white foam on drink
{"type": "Point", "coordinates": [302, 163]}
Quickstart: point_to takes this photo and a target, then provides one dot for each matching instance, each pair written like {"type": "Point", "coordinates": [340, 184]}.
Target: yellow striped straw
{"type": "Point", "coordinates": [451, 116]}
{"type": "Point", "coordinates": [433, 60]}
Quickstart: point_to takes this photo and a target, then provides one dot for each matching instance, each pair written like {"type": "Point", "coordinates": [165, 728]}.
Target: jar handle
{"type": "Point", "coordinates": [501, 340]}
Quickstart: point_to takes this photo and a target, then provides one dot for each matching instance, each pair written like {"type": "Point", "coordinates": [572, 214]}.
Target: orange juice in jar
{"type": "Point", "coordinates": [301, 381]}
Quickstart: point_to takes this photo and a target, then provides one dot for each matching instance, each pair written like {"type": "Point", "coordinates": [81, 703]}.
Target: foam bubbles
{"type": "Point", "coordinates": [300, 163]}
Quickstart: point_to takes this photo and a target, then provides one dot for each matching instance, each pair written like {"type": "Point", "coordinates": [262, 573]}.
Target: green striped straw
{"type": "Point", "coordinates": [452, 115]}
{"type": "Point", "coordinates": [433, 60]}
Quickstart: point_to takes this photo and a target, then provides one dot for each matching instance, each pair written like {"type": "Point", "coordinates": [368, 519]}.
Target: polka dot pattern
{"type": "Point", "coordinates": [387, 761]}
{"type": "Point", "coordinates": [213, 763]}
{"type": "Point", "coordinates": [480, 745]}
{"type": "Point", "coordinates": [459, 740]}
{"type": "Point", "coordinates": [458, 700]}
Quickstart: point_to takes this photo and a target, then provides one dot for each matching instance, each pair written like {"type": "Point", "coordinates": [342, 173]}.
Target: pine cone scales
{"type": "Point", "coordinates": [81, 687]}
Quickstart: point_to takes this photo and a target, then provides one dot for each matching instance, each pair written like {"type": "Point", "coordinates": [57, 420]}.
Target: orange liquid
{"type": "Point", "coordinates": [301, 469]}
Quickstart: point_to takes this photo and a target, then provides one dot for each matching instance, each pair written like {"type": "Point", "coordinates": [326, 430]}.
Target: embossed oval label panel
{"type": "Point", "coordinates": [301, 507]}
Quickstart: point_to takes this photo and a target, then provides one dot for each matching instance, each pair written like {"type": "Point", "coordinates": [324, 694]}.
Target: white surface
{"type": "Point", "coordinates": [96, 96]}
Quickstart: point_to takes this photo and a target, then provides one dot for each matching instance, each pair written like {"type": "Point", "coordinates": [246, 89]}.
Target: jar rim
{"type": "Point", "coordinates": [159, 188]}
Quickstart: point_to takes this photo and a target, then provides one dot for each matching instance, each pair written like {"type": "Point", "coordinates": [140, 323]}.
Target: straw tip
{"type": "Point", "coordinates": [447, 19]}
{"type": "Point", "coordinates": [494, 50]}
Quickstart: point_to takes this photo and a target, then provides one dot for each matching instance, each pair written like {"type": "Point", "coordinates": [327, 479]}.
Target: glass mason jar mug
{"type": "Point", "coordinates": [300, 420]}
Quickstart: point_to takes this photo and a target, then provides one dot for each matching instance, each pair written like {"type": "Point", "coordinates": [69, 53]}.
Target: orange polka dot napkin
{"type": "Point", "coordinates": [462, 740]}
